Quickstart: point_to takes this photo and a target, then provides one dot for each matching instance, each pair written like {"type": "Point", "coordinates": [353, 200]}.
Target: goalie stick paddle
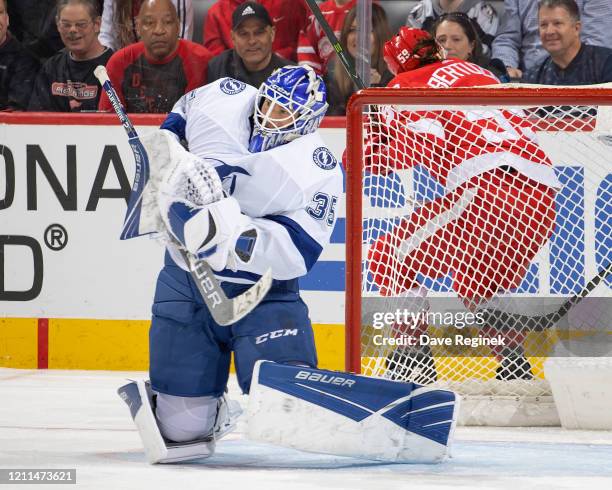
{"type": "Point", "coordinates": [224, 310]}
{"type": "Point", "coordinates": [502, 320]}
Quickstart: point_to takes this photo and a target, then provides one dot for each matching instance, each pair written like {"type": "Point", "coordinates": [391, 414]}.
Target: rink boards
{"type": "Point", "coordinates": [72, 295]}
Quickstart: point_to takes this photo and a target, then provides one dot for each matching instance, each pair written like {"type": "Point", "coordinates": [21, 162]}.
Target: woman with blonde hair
{"type": "Point", "coordinates": [339, 85]}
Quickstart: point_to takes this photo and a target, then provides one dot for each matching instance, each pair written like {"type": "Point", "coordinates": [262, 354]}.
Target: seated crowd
{"type": "Point", "coordinates": [50, 48]}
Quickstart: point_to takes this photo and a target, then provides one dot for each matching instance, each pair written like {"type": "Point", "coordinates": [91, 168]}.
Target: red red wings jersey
{"type": "Point", "coordinates": [314, 48]}
{"type": "Point", "coordinates": [144, 84]}
{"type": "Point", "coordinates": [455, 145]}
{"type": "Point", "coordinates": [445, 74]}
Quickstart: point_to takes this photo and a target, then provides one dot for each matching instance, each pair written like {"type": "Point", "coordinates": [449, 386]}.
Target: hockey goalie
{"type": "Point", "coordinates": [280, 185]}
{"type": "Point", "coordinates": [497, 210]}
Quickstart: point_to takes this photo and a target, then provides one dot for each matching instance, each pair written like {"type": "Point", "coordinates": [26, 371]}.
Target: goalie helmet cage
{"type": "Point", "coordinates": [573, 127]}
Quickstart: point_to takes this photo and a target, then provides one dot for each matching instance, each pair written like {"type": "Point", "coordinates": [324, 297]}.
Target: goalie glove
{"type": "Point", "coordinates": [209, 232]}
{"type": "Point", "coordinates": [196, 213]}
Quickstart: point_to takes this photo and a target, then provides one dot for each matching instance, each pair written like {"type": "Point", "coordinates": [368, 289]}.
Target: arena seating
{"type": "Point", "coordinates": [397, 10]}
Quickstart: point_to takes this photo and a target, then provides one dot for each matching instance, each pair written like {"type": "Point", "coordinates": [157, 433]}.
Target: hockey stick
{"type": "Point", "coordinates": [347, 64]}
{"type": "Point", "coordinates": [224, 310]}
{"type": "Point", "coordinates": [329, 32]}
{"type": "Point", "coordinates": [502, 320]}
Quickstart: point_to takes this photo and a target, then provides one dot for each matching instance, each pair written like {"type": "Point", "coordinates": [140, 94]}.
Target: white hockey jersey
{"type": "Point", "coordinates": [289, 192]}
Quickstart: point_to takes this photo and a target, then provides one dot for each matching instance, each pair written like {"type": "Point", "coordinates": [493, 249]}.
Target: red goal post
{"type": "Point", "coordinates": [575, 114]}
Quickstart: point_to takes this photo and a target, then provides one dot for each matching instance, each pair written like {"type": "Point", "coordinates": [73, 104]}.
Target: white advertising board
{"type": "Point", "coordinates": [63, 195]}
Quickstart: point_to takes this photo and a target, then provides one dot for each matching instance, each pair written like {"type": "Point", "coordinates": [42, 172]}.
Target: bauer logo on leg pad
{"type": "Point", "coordinates": [325, 378]}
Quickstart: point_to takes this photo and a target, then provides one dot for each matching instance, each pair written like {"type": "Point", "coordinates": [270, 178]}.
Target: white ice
{"type": "Point", "coordinates": [74, 419]}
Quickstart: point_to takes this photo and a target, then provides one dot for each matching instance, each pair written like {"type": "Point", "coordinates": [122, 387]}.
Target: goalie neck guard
{"type": "Point", "coordinates": [302, 96]}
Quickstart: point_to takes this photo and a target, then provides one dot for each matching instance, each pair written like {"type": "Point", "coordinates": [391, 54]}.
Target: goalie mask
{"type": "Point", "coordinates": [289, 104]}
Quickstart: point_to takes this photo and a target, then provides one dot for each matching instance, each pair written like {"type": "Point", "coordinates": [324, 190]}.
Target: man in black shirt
{"type": "Point", "coordinates": [569, 62]}
{"type": "Point", "coordinates": [33, 24]}
{"type": "Point", "coordinates": [252, 60]}
{"type": "Point", "coordinates": [66, 82]}
{"type": "Point", "coordinates": [17, 68]}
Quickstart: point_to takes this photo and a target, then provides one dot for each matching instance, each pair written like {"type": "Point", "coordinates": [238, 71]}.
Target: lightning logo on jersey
{"type": "Point", "coordinates": [230, 86]}
{"type": "Point", "coordinates": [324, 158]}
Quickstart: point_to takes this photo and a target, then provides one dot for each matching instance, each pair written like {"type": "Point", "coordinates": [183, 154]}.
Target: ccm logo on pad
{"type": "Point", "coordinates": [325, 378]}
{"type": "Point", "coordinates": [275, 335]}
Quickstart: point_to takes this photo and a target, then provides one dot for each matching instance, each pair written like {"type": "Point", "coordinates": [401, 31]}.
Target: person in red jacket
{"type": "Point", "coordinates": [288, 16]}
{"type": "Point", "coordinates": [498, 207]}
{"type": "Point", "coordinates": [151, 75]}
{"type": "Point", "coordinates": [314, 48]}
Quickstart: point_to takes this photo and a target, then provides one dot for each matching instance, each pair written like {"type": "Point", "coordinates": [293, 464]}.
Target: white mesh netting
{"type": "Point", "coordinates": [463, 207]}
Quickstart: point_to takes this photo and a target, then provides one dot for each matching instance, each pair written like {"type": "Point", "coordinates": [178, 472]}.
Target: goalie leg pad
{"type": "Point", "coordinates": [139, 398]}
{"type": "Point", "coordinates": [224, 414]}
{"type": "Point", "coordinates": [349, 415]}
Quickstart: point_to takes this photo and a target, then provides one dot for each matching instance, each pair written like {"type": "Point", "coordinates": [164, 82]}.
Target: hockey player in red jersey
{"type": "Point", "coordinates": [498, 207]}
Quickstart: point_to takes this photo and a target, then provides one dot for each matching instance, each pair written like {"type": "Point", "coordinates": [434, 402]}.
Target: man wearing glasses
{"type": "Point", "coordinates": [66, 82]}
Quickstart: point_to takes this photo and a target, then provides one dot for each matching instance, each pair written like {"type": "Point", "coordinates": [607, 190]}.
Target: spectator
{"type": "Point", "coordinates": [314, 48]}
{"type": "Point", "coordinates": [118, 28]}
{"type": "Point", "coordinates": [151, 75]}
{"type": "Point", "coordinates": [518, 43]}
{"type": "Point", "coordinates": [288, 16]}
{"type": "Point", "coordinates": [66, 81]}
{"type": "Point", "coordinates": [17, 68]}
{"type": "Point", "coordinates": [456, 33]}
{"type": "Point", "coordinates": [426, 12]}
{"type": "Point", "coordinates": [252, 60]}
{"type": "Point", "coordinates": [340, 85]}
{"type": "Point", "coordinates": [33, 24]}
{"type": "Point", "coordinates": [570, 62]}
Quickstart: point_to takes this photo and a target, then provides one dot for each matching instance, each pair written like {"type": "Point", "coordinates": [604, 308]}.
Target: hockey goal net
{"type": "Point", "coordinates": [462, 202]}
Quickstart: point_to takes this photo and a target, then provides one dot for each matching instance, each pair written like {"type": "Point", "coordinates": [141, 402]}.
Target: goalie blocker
{"type": "Point", "coordinates": [350, 415]}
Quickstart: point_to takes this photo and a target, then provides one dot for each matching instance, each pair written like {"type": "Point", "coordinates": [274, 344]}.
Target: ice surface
{"type": "Point", "coordinates": [74, 419]}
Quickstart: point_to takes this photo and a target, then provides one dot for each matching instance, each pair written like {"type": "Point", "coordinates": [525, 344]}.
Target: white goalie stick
{"type": "Point", "coordinates": [224, 310]}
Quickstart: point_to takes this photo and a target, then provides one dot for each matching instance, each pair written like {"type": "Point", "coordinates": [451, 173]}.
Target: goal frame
{"type": "Point", "coordinates": [492, 96]}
